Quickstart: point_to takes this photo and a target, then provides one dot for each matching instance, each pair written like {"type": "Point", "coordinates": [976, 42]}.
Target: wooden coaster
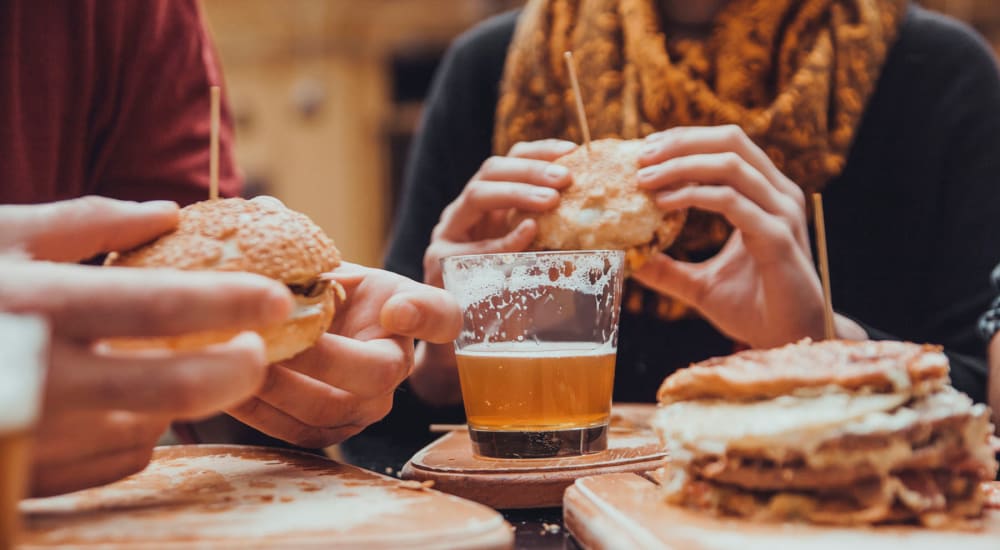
{"type": "Point", "coordinates": [225, 496]}
{"type": "Point", "coordinates": [534, 483]}
{"type": "Point", "coordinates": [628, 511]}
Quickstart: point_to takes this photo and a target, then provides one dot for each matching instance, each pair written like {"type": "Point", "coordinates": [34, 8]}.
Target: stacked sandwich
{"type": "Point", "coordinates": [833, 432]}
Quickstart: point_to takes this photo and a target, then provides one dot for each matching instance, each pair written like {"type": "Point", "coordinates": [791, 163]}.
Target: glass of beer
{"type": "Point", "coordinates": [23, 358]}
{"type": "Point", "coordinates": [536, 356]}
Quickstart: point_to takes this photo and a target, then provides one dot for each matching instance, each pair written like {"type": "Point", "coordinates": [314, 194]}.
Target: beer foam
{"type": "Point", "coordinates": [539, 349]}
{"type": "Point", "coordinates": [475, 279]}
{"type": "Point", "coordinates": [23, 358]}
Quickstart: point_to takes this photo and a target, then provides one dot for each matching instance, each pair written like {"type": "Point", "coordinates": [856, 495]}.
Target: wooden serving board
{"type": "Point", "coordinates": [534, 483]}
{"type": "Point", "coordinates": [224, 496]}
{"type": "Point", "coordinates": [627, 511]}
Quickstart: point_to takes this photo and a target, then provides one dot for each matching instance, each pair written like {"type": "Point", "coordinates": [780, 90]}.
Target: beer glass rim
{"type": "Point", "coordinates": [532, 253]}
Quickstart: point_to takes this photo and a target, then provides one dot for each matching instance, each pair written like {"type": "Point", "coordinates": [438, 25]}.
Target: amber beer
{"type": "Point", "coordinates": [14, 459]}
{"type": "Point", "coordinates": [527, 387]}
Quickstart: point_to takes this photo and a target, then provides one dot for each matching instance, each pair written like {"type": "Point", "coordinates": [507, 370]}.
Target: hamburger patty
{"type": "Point", "coordinates": [851, 459]}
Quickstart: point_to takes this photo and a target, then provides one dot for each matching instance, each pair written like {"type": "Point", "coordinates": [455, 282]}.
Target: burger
{"type": "Point", "coordinates": [255, 236]}
{"type": "Point", "coordinates": [835, 432]}
{"type": "Point", "coordinates": [604, 208]}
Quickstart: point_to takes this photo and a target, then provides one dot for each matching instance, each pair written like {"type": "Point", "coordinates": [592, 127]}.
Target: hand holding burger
{"type": "Point", "coordinates": [762, 287]}
{"type": "Point", "coordinates": [328, 380]}
{"type": "Point", "coordinates": [103, 412]}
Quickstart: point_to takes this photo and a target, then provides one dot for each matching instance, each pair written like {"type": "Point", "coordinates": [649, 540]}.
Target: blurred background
{"type": "Point", "coordinates": [327, 96]}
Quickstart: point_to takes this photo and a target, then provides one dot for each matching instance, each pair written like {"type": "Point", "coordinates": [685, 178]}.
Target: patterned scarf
{"type": "Point", "coordinates": [794, 74]}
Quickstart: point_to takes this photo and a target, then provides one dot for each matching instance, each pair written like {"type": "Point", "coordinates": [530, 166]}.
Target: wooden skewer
{"type": "Point", "coordinates": [213, 159]}
{"type": "Point", "coordinates": [445, 428]}
{"type": "Point", "coordinates": [584, 127]}
{"type": "Point", "coordinates": [824, 266]}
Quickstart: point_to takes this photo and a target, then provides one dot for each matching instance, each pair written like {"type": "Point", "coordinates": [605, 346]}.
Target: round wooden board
{"type": "Point", "coordinates": [627, 511]}
{"type": "Point", "coordinates": [224, 496]}
{"type": "Point", "coordinates": [534, 483]}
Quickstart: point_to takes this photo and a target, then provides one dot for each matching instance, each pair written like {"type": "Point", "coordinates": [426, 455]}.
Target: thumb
{"type": "Point", "coordinates": [517, 240]}
{"type": "Point", "coordinates": [668, 276]}
{"type": "Point", "coordinates": [74, 230]}
{"type": "Point", "coordinates": [424, 313]}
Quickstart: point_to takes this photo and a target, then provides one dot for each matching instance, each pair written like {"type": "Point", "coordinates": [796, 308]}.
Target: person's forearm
{"type": "Point", "coordinates": [435, 375]}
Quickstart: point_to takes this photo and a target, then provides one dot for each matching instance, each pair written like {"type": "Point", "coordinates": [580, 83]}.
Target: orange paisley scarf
{"type": "Point", "coordinates": [794, 74]}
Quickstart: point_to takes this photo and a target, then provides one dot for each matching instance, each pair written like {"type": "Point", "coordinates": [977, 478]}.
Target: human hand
{"type": "Point", "coordinates": [762, 287]}
{"type": "Point", "coordinates": [124, 398]}
{"type": "Point", "coordinates": [78, 229]}
{"type": "Point", "coordinates": [346, 381]}
{"type": "Point", "coordinates": [477, 221]}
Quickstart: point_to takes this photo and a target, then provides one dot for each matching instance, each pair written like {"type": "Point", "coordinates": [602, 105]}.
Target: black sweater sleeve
{"type": "Point", "coordinates": [919, 200]}
{"type": "Point", "coordinates": [454, 140]}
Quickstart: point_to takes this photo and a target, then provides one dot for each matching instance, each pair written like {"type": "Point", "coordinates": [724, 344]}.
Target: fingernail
{"type": "Point", "coordinates": [277, 305]}
{"type": "Point", "coordinates": [158, 206]}
{"type": "Point", "coordinates": [406, 318]}
{"type": "Point", "coordinates": [647, 173]}
{"type": "Point", "coordinates": [649, 150]}
{"type": "Point", "coordinates": [544, 193]}
{"type": "Point", "coordinates": [566, 146]}
{"type": "Point", "coordinates": [556, 172]}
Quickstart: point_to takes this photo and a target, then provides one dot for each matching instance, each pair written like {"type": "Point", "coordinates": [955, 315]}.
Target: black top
{"type": "Point", "coordinates": [913, 221]}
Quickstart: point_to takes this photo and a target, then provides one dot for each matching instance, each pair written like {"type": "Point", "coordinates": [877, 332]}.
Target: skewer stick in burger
{"type": "Point", "coordinates": [257, 236]}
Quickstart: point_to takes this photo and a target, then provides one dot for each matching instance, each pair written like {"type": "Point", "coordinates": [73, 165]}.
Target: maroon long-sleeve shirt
{"type": "Point", "coordinates": [107, 97]}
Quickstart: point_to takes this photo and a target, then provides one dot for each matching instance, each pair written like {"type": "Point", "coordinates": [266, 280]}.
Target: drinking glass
{"type": "Point", "coordinates": [536, 356]}
{"type": "Point", "coordinates": [23, 359]}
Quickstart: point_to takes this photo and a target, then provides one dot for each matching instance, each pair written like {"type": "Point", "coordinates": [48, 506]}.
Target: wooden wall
{"type": "Point", "coordinates": [309, 81]}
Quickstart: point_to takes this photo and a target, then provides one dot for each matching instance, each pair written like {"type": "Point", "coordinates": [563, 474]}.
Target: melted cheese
{"type": "Point", "coordinates": [712, 426]}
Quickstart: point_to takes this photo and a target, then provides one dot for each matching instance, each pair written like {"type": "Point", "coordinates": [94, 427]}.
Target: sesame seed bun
{"type": "Point", "coordinates": [255, 236]}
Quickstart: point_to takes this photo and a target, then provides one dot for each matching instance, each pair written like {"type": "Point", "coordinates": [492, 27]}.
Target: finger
{"type": "Point", "coordinates": [348, 275]}
{"type": "Point", "coordinates": [425, 313]}
{"type": "Point", "coordinates": [725, 169]}
{"type": "Point", "coordinates": [535, 172]}
{"type": "Point", "coordinates": [55, 479]}
{"type": "Point", "coordinates": [269, 202]}
{"type": "Point", "coordinates": [74, 230]}
{"type": "Point", "coordinates": [80, 449]}
{"type": "Point", "coordinates": [271, 421]}
{"type": "Point", "coordinates": [88, 302]}
{"type": "Point", "coordinates": [78, 434]}
{"type": "Point", "coordinates": [545, 149]}
{"type": "Point", "coordinates": [364, 368]}
{"type": "Point", "coordinates": [517, 240]}
{"type": "Point", "coordinates": [766, 237]}
{"type": "Point", "coordinates": [480, 197]}
{"type": "Point", "coordinates": [668, 276]}
{"type": "Point", "coordinates": [683, 141]}
{"type": "Point", "coordinates": [320, 405]}
{"type": "Point", "coordinates": [179, 385]}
